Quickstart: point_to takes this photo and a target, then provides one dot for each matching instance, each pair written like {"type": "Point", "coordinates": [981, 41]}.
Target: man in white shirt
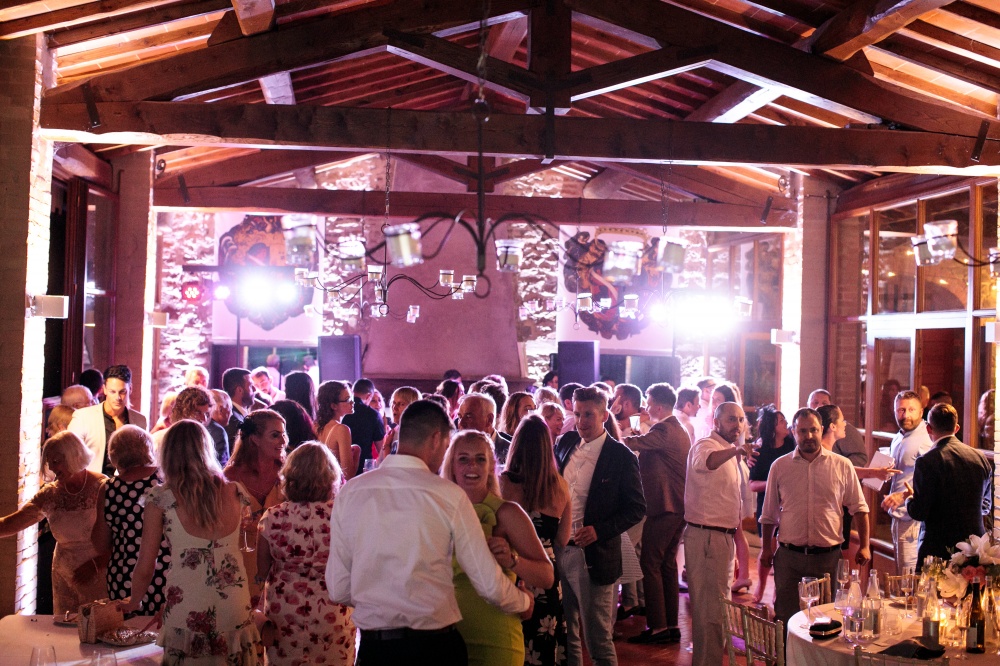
{"type": "Point", "coordinates": [261, 379]}
{"type": "Point", "coordinates": [393, 533]}
{"type": "Point", "coordinates": [95, 424]}
{"type": "Point", "coordinates": [686, 410]}
{"type": "Point", "coordinates": [806, 493]}
{"type": "Point", "coordinates": [704, 422]}
{"type": "Point", "coordinates": [713, 510]}
{"type": "Point", "coordinates": [606, 496]}
{"type": "Point", "coordinates": [911, 442]}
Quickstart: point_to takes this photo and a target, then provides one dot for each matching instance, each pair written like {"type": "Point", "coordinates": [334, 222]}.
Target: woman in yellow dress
{"type": "Point", "coordinates": [492, 637]}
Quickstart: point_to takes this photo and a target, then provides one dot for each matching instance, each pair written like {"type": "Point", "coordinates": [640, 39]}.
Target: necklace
{"type": "Point", "coordinates": [67, 490]}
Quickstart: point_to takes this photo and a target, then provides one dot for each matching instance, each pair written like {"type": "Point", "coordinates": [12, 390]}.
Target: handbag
{"type": "Point", "coordinates": [98, 617]}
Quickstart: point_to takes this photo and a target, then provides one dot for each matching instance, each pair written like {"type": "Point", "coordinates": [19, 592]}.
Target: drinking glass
{"type": "Point", "coordinates": [371, 464]}
{"type": "Point", "coordinates": [42, 656]}
{"type": "Point", "coordinates": [248, 540]}
{"type": "Point", "coordinates": [807, 595]}
{"type": "Point", "coordinates": [962, 625]}
{"type": "Point", "coordinates": [104, 657]}
{"type": "Point", "coordinates": [906, 583]}
{"type": "Point", "coordinates": [840, 600]}
{"type": "Point", "coordinates": [844, 573]}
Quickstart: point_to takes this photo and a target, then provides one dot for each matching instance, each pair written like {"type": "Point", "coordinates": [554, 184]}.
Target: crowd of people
{"type": "Point", "coordinates": [468, 526]}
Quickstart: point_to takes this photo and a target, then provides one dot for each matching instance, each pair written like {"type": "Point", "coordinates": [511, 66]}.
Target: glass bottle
{"type": "Point", "coordinates": [873, 606]}
{"type": "Point", "coordinates": [976, 636]}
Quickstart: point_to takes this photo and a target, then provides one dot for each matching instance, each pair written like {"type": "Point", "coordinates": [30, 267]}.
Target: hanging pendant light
{"type": "Point", "coordinates": [403, 242]}
{"type": "Point", "coordinates": [622, 261]}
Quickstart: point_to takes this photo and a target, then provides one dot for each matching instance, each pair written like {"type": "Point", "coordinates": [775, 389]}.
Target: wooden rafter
{"type": "Point", "coordinates": [253, 167]}
{"type": "Point", "coordinates": [820, 81]}
{"type": "Point", "coordinates": [254, 16]}
{"type": "Point", "coordinates": [565, 137]}
{"type": "Point", "coordinates": [413, 204]}
{"type": "Point", "coordinates": [285, 48]}
{"type": "Point", "coordinates": [159, 16]}
{"type": "Point", "coordinates": [868, 22]}
{"type": "Point", "coordinates": [75, 15]}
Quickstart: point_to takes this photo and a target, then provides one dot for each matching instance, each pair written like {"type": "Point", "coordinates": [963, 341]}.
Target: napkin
{"type": "Point", "coordinates": [914, 650]}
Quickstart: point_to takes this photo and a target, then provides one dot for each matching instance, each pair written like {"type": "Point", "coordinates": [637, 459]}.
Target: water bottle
{"type": "Point", "coordinates": [872, 605]}
{"type": "Point", "coordinates": [853, 614]}
{"type": "Point", "coordinates": [930, 615]}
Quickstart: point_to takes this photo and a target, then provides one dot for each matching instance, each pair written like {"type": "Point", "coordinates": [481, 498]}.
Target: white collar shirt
{"type": "Point", "coordinates": [806, 498]}
{"type": "Point", "coordinates": [685, 421]}
{"type": "Point", "coordinates": [712, 497]}
{"type": "Point", "coordinates": [905, 448]}
{"type": "Point", "coordinates": [579, 474]}
{"type": "Point", "coordinates": [393, 533]}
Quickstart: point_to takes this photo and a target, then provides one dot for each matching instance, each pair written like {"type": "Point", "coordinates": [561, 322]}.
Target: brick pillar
{"type": "Point", "coordinates": [25, 204]}
{"type": "Point", "coordinates": [135, 276]}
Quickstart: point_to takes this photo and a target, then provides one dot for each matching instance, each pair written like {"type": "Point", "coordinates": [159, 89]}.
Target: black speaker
{"type": "Point", "coordinates": [579, 362]}
{"type": "Point", "coordinates": [340, 357]}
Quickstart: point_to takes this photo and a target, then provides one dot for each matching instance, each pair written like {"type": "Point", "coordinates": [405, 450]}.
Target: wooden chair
{"type": "Point", "coordinates": [735, 628]}
{"type": "Point", "coordinates": [765, 641]}
{"type": "Point", "coordinates": [825, 594]}
{"type": "Point", "coordinates": [355, 456]}
{"type": "Point", "coordinates": [862, 658]}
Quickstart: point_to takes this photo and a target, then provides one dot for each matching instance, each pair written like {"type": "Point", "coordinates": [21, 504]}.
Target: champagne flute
{"type": "Point", "coordinates": [248, 541]}
{"type": "Point", "coordinates": [906, 586]}
{"type": "Point", "coordinates": [843, 573]}
{"type": "Point", "coordinates": [806, 597]}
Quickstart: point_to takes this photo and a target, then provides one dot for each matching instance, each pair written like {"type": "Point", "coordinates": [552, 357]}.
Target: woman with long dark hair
{"type": "Point", "coordinates": [299, 386]}
{"type": "Point", "coordinates": [335, 400]}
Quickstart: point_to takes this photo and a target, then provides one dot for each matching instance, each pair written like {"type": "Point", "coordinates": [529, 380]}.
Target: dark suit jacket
{"type": "Point", "coordinates": [366, 427]}
{"type": "Point", "coordinates": [951, 487]}
{"type": "Point", "coordinates": [614, 504]}
{"type": "Point", "coordinates": [221, 440]}
{"type": "Point", "coordinates": [233, 427]}
{"type": "Point", "coordinates": [663, 453]}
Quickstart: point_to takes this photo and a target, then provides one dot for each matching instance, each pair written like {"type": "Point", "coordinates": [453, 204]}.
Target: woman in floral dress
{"type": "Point", "coordinates": [533, 481]}
{"type": "Point", "coordinates": [206, 618]}
{"type": "Point", "coordinates": [292, 549]}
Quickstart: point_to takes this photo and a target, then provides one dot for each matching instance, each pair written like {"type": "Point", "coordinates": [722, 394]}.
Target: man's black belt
{"type": "Point", "coordinates": [810, 550]}
{"type": "Point", "coordinates": [725, 530]}
{"type": "Point", "coordinates": [403, 632]}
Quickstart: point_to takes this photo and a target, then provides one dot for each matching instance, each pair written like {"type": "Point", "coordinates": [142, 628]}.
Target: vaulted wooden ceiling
{"type": "Point", "coordinates": [735, 95]}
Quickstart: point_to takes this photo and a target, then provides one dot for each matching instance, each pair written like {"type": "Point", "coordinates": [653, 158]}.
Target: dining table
{"type": "Point", "coordinates": [803, 650]}
{"type": "Point", "coordinates": [20, 633]}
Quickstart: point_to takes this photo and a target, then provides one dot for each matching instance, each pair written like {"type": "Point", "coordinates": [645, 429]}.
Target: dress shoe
{"type": "Point", "coordinates": [625, 613]}
{"type": "Point", "coordinates": [664, 637]}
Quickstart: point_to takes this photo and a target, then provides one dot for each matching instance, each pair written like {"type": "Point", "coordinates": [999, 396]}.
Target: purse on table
{"type": "Point", "coordinates": [98, 617]}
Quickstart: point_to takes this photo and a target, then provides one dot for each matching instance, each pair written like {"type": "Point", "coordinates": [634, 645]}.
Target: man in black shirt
{"type": "Point", "coordinates": [367, 426]}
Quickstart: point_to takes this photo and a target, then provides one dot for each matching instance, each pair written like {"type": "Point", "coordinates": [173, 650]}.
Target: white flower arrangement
{"type": "Point", "coordinates": [976, 557]}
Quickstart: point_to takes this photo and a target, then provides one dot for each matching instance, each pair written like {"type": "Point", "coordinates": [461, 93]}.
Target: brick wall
{"type": "Point", "coordinates": [25, 202]}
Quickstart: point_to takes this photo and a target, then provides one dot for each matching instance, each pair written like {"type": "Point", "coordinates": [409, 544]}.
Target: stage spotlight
{"type": "Point", "coordinates": [286, 293]}
{"type": "Point", "coordinates": [221, 292]}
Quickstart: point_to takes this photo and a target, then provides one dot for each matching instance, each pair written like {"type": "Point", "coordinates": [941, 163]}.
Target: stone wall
{"type": "Point", "coordinates": [25, 205]}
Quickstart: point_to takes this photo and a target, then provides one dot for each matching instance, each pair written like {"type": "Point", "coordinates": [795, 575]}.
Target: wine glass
{"type": "Point", "coordinates": [906, 582]}
{"type": "Point", "coordinates": [43, 656]}
{"type": "Point", "coordinates": [248, 541]}
{"type": "Point", "coordinates": [962, 612]}
{"type": "Point", "coordinates": [843, 573]}
{"type": "Point", "coordinates": [807, 595]}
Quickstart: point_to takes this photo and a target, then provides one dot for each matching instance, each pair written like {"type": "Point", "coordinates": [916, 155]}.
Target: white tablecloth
{"type": "Point", "coordinates": [20, 633]}
{"type": "Point", "coordinates": [802, 650]}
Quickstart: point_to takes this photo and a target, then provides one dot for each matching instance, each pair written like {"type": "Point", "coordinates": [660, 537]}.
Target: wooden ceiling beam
{"type": "Point", "coordinates": [607, 184]}
{"type": "Point", "coordinates": [518, 169]}
{"type": "Point", "coordinates": [955, 42]}
{"type": "Point", "coordinates": [414, 204]}
{"type": "Point", "coordinates": [633, 71]}
{"type": "Point", "coordinates": [286, 48]}
{"type": "Point", "coordinates": [734, 103]}
{"type": "Point", "coordinates": [550, 55]}
{"type": "Point", "coordinates": [254, 16]}
{"type": "Point", "coordinates": [805, 76]}
{"type": "Point", "coordinates": [702, 184]}
{"type": "Point", "coordinates": [866, 23]}
{"type": "Point", "coordinates": [461, 62]}
{"type": "Point", "coordinates": [63, 37]}
{"type": "Point", "coordinates": [70, 16]}
{"type": "Point", "coordinates": [975, 13]}
{"type": "Point", "coordinates": [567, 138]}
{"type": "Point", "coordinates": [251, 168]}
{"type": "Point", "coordinates": [969, 71]}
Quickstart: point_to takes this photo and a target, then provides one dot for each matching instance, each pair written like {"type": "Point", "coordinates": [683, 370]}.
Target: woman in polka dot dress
{"type": "Point", "coordinates": [118, 531]}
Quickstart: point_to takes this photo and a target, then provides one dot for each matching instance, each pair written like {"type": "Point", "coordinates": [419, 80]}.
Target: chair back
{"type": "Point", "coordinates": [825, 594]}
{"type": "Point", "coordinates": [355, 456]}
{"type": "Point", "coordinates": [862, 658]}
{"type": "Point", "coordinates": [765, 641]}
{"type": "Point", "coordinates": [735, 628]}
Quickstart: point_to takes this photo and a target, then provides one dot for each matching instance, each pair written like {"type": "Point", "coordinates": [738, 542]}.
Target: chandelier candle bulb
{"type": "Point", "coordinates": [922, 252]}
{"type": "Point", "coordinates": [622, 261]}
{"type": "Point", "coordinates": [458, 295]}
{"type": "Point", "coordinates": [300, 245]}
{"type": "Point", "coordinates": [509, 254]}
{"type": "Point", "coordinates": [446, 278]}
{"type": "Point", "coordinates": [375, 272]}
{"type": "Point", "coordinates": [468, 283]}
{"type": "Point", "coordinates": [584, 303]}
{"type": "Point", "coordinates": [672, 256]}
{"type": "Point", "coordinates": [352, 254]}
{"type": "Point", "coordinates": [379, 295]}
{"type": "Point", "coordinates": [403, 242]}
{"type": "Point", "coordinates": [941, 238]}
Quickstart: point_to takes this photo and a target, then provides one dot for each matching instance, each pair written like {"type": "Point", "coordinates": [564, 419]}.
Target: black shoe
{"type": "Point", "coordinates": [625, 613]}
{"type": "Point", "coordinates": [640, 610]}
{"type": "Point", "coordinates": [664, 637]}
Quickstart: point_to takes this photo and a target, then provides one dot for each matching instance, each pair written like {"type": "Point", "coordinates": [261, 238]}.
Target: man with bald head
{"type": "Point", "coordinates": [713, 509]}
{"type": "Point", "coordinates": [77, 396]}
{"type": "Point", "coordinates": [807, 490]}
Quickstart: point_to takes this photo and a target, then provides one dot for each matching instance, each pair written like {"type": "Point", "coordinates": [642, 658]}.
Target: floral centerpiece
{"type": "Point", "coordinates": [976, 557]}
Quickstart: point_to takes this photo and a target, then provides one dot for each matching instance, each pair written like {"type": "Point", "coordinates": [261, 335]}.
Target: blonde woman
{"type": "Point", "coordinates": [334, 401]}
{"type": "Point", "coordinates": [206, 618]}
{"type": "Point", "coordinates": [493, 638]}
{"type": "Point", "coordinates": [70, 504]}
{"type": "Point", "coordinates": [292, 549]}
{"type": "Point", "coordinates": [255, 465]}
